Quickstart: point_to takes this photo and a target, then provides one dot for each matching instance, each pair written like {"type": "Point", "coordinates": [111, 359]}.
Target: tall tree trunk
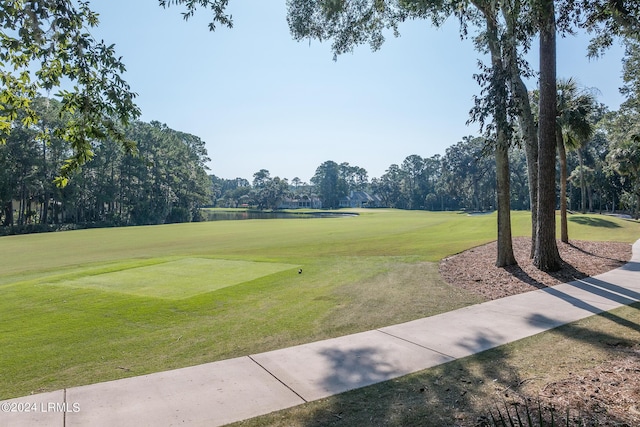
{"type": "Point", "coordinates": [23, 200]}
{"type": "Point", "coordinates": [583, 185]}
{"type": "Point", "coordinates": [8, 214]}
{"type": "Point", "coordinates": [547, 257]}
{"type": "Point", "coordinates": [530, 136]}
{"type": "Point", "coordinates": [526, 120]}
{"type": "Point", "coordinates": [505, 256]}
{"type": "Point", "coordinates": [562, 154]}
{"type": "Point", "coordinates": [44, 219]}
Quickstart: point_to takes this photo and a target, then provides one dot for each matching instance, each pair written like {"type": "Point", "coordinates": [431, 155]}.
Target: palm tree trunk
{"type": "Point", "coordinates": [562, 154]}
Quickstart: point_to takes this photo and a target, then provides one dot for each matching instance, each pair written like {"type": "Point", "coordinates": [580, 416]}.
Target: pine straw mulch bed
{"type": "Point", "coordinates": [608, 394]}
{"type": "Point", "coordinates": [475, 270]}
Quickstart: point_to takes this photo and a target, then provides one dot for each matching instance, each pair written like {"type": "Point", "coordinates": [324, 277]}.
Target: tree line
{"type": "Point", "coordinates": [163, 180]}
{"type": "Point", "coordinates": [167, 181]}
{"type": "Point", "coordinates": [602, 177]}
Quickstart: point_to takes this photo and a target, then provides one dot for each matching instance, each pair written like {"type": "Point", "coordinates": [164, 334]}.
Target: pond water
{"type": "Point", "coordinates": [240, 215]}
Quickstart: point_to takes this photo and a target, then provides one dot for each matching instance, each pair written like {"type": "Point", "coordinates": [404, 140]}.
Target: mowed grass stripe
{"type": "Point", "coordinates": [182, 278]}
{"type": "Point", "coordinates": [257, 240]}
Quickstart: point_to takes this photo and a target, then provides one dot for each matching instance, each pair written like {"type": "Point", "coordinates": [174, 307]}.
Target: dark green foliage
{"type": "Point", "coordinates": [165, 181]}
{"type": "Point", "coordinates": [469, 175]}
{"type": "Point", "coordinates": [44, 43]}
{"type": "Point", "coordinates": [330, 184]}
{"type": "Point", "coordinates": [268, 192]}
{"type": "Point", "coordinates": [624, 132]}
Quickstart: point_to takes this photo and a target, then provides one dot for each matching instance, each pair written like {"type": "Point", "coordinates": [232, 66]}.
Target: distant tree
{"type": "Point", "coordinates": [228, 192]}
{"type": "Point", "coordinates": [297, 182]}
{"type": "Point", "coordinates": [388, 187]}
{"type": "Point", "coordinates": [623, 127]}
{"type": "Point", "coordinates": [413, 168]}
{"type": "Point", "coordinates": [574, 129]}
{"type": "Point", "coordinates": [469, 175]}
{"type": "Point", "coordinates": [584, 177]}
{"type": "Point", "coordinates": [330, 185]}
{"type": "Point", "coordinates": [261, 178]}
{"type": "Point", "coordinates": [625, 159]}
{"type": "Point", "coordinates": [30, 163]}
{"type": "Point", "coordinates": [271, 193]}
{"type": "Point", "coordinates": [520, 197]}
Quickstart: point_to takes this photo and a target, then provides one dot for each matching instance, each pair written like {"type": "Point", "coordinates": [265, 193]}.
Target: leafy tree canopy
{"type": "Point", "coordinates": [217, 7]}
{"type": "Point", "coordinates": [47, 45]}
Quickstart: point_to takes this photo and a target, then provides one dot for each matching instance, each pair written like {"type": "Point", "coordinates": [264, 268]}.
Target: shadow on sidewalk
{"type": "Point", "coordinates": [356, 368]}
{"type": "Point", "coordinates": [436, 397]}
{"type": "Point", "coordinates": [631, 266]}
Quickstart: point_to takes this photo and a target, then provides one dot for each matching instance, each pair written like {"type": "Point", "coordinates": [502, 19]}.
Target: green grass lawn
{"type": "Point", "coordinates": [92, 305]}
{"type": "Point", "coordinates": [176, 279]}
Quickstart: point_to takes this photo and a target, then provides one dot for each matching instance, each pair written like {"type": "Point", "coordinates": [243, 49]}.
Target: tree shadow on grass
{"type": "Point", "coordinates": [620, 262]}
{"type": "Point", "coordinates": [597, 289]}
{"type": "Point", "coordinates": [593, 222]}
{"type": "Point", "coordinates": [566, 274]}
{"type": "Point", "coordinates": [616, 294]}
{"type": "Point", "coordinates": [440, 396]}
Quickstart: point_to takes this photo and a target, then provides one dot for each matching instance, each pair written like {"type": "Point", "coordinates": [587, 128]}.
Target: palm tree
{"type": "Point", "coordinates": [574, 129]}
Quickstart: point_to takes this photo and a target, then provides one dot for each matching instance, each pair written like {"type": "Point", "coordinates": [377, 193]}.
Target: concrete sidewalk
{"type": "Point", "coordinates": [231, 390]}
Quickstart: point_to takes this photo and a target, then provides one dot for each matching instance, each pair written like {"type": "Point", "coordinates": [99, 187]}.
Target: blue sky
{"type": "Point", "coordinates": [260, 100]}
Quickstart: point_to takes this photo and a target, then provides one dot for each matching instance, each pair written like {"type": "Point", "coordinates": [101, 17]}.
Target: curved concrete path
{"type": "Point", "coordinates": [231, 390]}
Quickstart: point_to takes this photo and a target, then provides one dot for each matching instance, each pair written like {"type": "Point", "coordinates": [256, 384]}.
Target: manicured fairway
{"type": "Point", "coordinates": [93, 305]}
{"type": "Point", "coordinates": [177, 279]}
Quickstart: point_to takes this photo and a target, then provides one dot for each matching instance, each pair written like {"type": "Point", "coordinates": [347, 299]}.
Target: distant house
{"type": "Point", "coordinates": [360, 199]}
{"type": "Point", "coordinates": [304, 202]}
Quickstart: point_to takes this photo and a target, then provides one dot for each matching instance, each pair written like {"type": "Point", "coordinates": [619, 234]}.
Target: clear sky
{"type": "Point", "coordinates": [260, 100]}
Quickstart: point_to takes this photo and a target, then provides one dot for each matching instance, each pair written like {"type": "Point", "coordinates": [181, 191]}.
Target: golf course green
{"type": "Point", "coordinates": [85, 306]}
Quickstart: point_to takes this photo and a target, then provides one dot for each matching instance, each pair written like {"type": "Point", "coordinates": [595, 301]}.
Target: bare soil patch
{"type": "Point", "coordinates": [604, 395]}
